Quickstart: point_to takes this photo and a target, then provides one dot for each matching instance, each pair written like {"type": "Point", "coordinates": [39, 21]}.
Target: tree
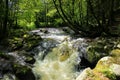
{"type": "Point", "coordinates": [7, 17]}
{"type": "Point", "coordinates": [91, 17]}
{"type": "Point", "coordinates": [47, 16]}
{"type": "Point", "coordinates": [26, 13]}
{"type": "Point", "coordinates": [4, 18]}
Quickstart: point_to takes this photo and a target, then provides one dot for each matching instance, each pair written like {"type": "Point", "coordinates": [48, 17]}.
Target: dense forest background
{"type": "Point", "coordinates": [78, 33]}
{"type": "Point", "coordinates": [90, 18]}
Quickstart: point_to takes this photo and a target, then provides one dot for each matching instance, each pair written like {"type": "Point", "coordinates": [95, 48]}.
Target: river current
{"type": "Point", "coordinates": [58, 55]}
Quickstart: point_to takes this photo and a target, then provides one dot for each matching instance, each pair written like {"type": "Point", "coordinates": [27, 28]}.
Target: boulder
{"type": "Point", "coordinates": [19, 63]}
{"type": "Point", "coordinates": [89, 74]}
{"type": "Point", "coordinates": [99, 48]}
{"type": "Point", "coordinates": [115, 69]}
{"type": "Point", "coordinates": [107, 68]}
{"type": "Point", "coordinates": [84, 74]}
{"type": "Point", "coordinates": [44, 31]}
{"type": "Point", "coordinates": [115, 53]}
{"type": "Point", "coordinates": [24, 73]}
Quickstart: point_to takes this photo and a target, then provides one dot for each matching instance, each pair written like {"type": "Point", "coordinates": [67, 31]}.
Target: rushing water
{"type": "Point", "coordinates": [58, 56]}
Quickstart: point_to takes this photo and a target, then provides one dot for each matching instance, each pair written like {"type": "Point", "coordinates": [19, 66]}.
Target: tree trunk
{"type": "Point", "coordinates": [5, 19]}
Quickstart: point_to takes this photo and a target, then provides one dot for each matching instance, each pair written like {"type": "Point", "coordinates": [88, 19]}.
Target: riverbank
{"type": "Point", "coordinates": [27, 51]}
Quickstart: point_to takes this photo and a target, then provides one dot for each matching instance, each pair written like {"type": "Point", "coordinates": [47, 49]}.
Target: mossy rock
{"type": "Point", "coordinates": [84, 74]}
{"type": "Point", "coordinates": [23, 40]}
{"type": "Point", "coordinates": [99, 48]}
{"type": "Point", "coordinates": [30, 37]}
{"type": "Point", "coordinates": [64, 56]}
{"type": "Point", "coordinates": [93, 56]}
{"type": "Point", "coordinates": [115, 53]}
{"type": "Point", "coordinates": [18, 32]}
{"type": "Point", "coordinates": [105, 66]}
{"type": "Point", "coordinates": [65, 51]}
{"type": "Point", "coordinates": [30, 60]}
{"type": "Point", "coordinates": [44, 31]}
{"type": "Point", "coordinates": [31, 41]}
{"type": "Point", "coordinates": [102, 71]}
{"type": "Point", "coordinates": [115, 68]}
{"type": "Point", "coordinates": [15, 43]}
{"type": "Point", "coordinates": [89, 74]}
{"type": "Point", "coordinates": [28, 57]}
{"type": "Point", "coordinates": [23, 72]}
{"type": "Point", "coordinates": [62, 52]}
{"type": "Point", "coordinates": [20, 68]}
{"type": "Point", "coordinates": [30, 45]}
{"type": "Point", "coordinates": [104, 63]}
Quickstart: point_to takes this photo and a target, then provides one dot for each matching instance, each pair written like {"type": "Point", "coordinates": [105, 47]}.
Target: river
{"type": "Point", "coordinates": [58, 55]}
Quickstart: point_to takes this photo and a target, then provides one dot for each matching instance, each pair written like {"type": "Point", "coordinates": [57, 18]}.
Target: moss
{"type": "Point", "coordinates": [64, 56]}
{"type": "Point", "coordinates": [109, 74]}
{"type": "Point", "coordinates": [105, 74]}
{"type": "Point", "coordinates": [20, 69]}
{"type": "Point", "coordinates": [30, 41]}
{"type": "Point", "coordinates": [23, 72]}
{"type": "Point", "coordinates": [104, 63]}
{"type": "Point", "coordinates": [15, 42]}
{"type": "Point", "coordinates": [95, 75]}
{"type": "Point", "coordinates": [62, 52]}
{"type": "Point", "coordinates": [30, 60]}
{"type": "Point", "coordinates": [105, 70]}
{"type": "Point", "coordinates": [115, 53]}
{"type": "Point", "coordinates": [17, 32]}
{"type": "Point", "coordinates": [21, 39]}
{"type": "Point", "coordinates": [103, 66]}
{"type": "Point", "coordinates": [100, 47]}
{"type": "Point", "coordinates": [93, 56]}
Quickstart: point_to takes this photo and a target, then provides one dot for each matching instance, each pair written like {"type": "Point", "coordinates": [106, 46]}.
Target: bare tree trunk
{"type": "Point", "coordinates": [5, 18]}
{"type": "Point", "coordinates": [54, 1]}
{"type": "Point", "coordinates": [63, 16]}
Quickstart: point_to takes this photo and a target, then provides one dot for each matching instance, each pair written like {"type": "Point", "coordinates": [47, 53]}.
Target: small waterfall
{"type": "Point", "coordinates": [60, 61]}
{"type": "Point", "coordinates": [59, 64]}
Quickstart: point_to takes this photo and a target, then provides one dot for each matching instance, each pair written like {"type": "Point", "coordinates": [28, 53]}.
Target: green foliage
{"type": "Point", "coordinates": [90, 17]}
{"type": "Point", "coordinates": [109, 74]}
{"type": "Point", "coordinates": [51, 13]}
{"type": "Point", "coordinates": [26, 13]}
{"type": "Point", "coordinates": [58, 22]}
{"type": "Point", "coordinates": [103, 66]}
{"type": "Point", "coordinates": [47, 15]}
{"type": "Point", "coordinates": [18, 32]}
